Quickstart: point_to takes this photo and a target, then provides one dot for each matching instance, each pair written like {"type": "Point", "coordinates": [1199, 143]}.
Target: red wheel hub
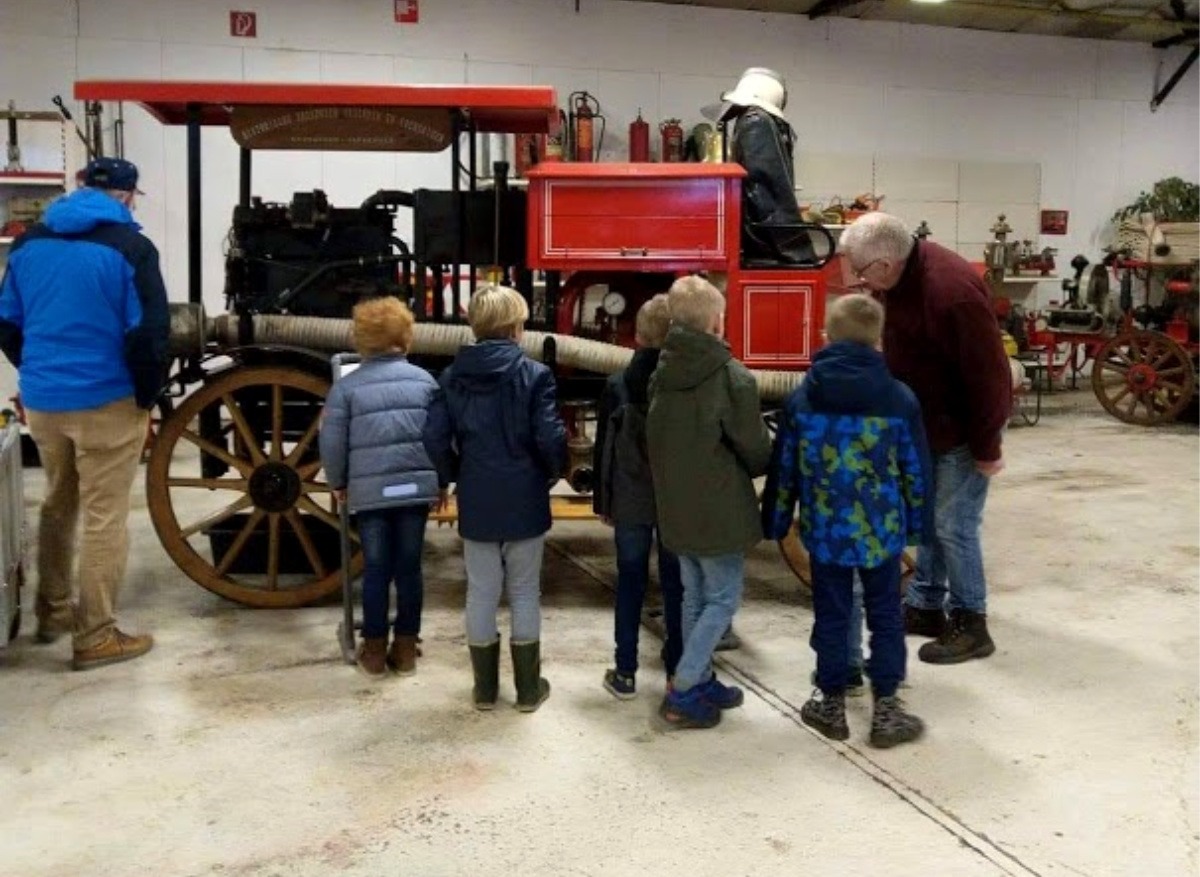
{"type": "Point", "coordinates": [1142, 377]}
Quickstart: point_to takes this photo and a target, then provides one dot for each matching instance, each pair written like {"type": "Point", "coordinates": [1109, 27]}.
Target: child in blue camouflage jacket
{"type": "Point", "coordinates": [851, 452]}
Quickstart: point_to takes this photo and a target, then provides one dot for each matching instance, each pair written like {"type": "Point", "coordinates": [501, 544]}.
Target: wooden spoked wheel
{"type": "Point", "coordinates": [235, 490]}
{"type": "Point", "coordinates": [797, 559]}
{"type": "Point", "coordinates": [1143, 377]}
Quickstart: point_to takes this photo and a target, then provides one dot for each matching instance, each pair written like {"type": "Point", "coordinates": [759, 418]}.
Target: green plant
{"type": "Point", "coordinates": [1172, 200]}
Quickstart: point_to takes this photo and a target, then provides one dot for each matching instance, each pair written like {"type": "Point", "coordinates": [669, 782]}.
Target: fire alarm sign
{"type": "Point", "coordinates": [407, 11]}
{"type": "Point", "coordinates": [243, 24]}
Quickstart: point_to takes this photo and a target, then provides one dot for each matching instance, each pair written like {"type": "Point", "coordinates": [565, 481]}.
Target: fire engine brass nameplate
{"type": "Point", "coordinates": [351, 128]}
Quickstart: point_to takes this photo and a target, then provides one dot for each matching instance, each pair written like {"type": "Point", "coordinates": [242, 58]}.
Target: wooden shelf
{"type": "Point", "coordinates": [1028, 279]}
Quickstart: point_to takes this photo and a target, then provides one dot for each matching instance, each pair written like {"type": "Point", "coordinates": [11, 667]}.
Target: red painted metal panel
{"type": "Point", "coordinates": [615, 237]}
{"type": "Point", "coordinates": [774, 317]}
{"type": "Point", "coordinates": [634, 217]}
{"type": "Point", "coordinates": [644, 199]}
{"type": "Point", "coordinates": [519, 109]}
{"type": "Point", "coordinates": [634, 170]}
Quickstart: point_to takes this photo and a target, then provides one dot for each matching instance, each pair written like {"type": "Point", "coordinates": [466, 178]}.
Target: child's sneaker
{"type": "Point", "coordinates": [689, 709]}
{"type": "Point", "coordinates": [720, 695]}
{"type": "Point", "coordinates": [892, 725]}
{"type": "Point", "coordinates": [855, 685]}
{"type": "Point", "coordinates": [826, 713]}
{"type": "Point", "coordinates": [620, 685]}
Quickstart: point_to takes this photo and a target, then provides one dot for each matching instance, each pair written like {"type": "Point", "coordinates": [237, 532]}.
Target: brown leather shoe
{"type": "Point", "coordinates": [118, 647]}
{"type": "Point", "coordinates": [372, 656]}
{"type": "Point", "coordinates": [403, 656]}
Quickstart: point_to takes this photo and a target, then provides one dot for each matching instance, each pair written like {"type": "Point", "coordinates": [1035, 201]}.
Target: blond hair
{"type": "Point", "coordinates": [653, 321]}
{"type": "Point", "coordinates": [382, 324]}
{"type": "Point", "coordinates": [496, 311]}
{"type": "Point", "coordinates": [855, 317]}
{"type": "Point", "coordinates": [695, 303]}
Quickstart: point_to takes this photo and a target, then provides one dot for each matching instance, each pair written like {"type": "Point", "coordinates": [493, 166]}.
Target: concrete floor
{"type": "Point", "coordinates": [243, 746]}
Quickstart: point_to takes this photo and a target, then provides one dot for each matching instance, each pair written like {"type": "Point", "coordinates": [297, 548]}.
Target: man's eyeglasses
{"type": "Point", "coordinates": [859, 273]}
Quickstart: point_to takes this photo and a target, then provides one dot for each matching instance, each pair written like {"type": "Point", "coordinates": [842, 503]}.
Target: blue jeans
{"type": "Point", "coordinates": [633, 543]}
{"type": "Point", "coordinates": [392, 540]}
{"type": "Point", "coordinates": [833, 597]}
{"type": "Point", "coordinates": [949, 572]}
{"type": "Point", "coordinates": [712, 591]}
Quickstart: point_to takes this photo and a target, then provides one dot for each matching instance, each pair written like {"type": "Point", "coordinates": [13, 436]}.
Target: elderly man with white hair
{"type": "Point", "coordinates": [941, 339]}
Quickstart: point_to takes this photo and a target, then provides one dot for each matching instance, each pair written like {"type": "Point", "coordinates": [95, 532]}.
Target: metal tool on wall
{"type": "Point", "coordinates": [83, 138]}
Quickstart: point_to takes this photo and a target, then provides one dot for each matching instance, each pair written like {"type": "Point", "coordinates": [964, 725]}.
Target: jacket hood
{"type": "Point", "coordinates": [689, 357]}
{"type": "Point", "coordinates": [638, 373]}
{"type": "Point", "coordinates": [483, 367]}
{"type": "Point", "coordinates": [83, 210]}
{"type": "Point", "coordinates": [847, 378]}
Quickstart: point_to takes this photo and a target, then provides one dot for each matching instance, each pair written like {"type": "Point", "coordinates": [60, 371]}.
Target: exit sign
{"type": "Point", "coordinates": [243, 24]}
{"type": "Point", "coordinates": [408, 11]}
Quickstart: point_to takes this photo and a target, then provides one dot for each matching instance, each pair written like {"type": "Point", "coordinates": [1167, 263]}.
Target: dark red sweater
{"type": "Point", "coordinates": [942, 339]}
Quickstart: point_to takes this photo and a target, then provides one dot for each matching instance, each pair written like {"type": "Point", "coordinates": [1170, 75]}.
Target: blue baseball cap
{"type": "Point", "coordinates": [112, 173]}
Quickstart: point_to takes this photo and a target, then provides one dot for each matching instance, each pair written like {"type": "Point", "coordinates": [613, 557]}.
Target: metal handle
{"type": "Point", "coordinates": [635, 251]}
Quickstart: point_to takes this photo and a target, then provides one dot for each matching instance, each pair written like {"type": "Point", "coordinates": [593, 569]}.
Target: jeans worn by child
{"type": "Point", "coordinates": [392, 542]}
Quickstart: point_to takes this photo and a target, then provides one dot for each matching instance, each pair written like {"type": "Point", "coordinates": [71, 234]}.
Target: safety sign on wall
{"type": "Point", "coordinates": [243, 24]}
{"type": "Point", "coordinates": [407, 11]}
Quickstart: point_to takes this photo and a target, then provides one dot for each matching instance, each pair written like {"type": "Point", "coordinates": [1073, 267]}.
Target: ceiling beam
{"type": "Point", "coordinates": [829, 7]}
{"type": "Point", "coordinates": [1175, 77]}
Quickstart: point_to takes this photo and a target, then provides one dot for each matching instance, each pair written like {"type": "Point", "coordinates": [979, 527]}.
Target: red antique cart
{"type": "Point", "coordinates": [247, 385]}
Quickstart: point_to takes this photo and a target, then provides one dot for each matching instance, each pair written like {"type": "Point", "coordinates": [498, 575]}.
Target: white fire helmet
{"type": "Point", "coordinates": [758, 87]}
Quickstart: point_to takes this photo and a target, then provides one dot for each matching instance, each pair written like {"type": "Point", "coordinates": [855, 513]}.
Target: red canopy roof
{"type": "Point", "coordinates": [499, 108]}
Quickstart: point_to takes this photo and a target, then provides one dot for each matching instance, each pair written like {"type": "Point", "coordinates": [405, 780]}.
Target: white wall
{"type": "Point", "coordinates": [1078, 109]}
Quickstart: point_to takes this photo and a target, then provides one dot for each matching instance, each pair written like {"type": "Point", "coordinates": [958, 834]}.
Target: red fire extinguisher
{"type": "Point", "coordinates": [639, 139]}
{"type": "Point", "coordinates": [584, 115]}
{"type": "Point", "coordinates": [529, 151]}
{"type": "Point", "coordinates": [672, 140]}
{"type": "Point", "coordinates": [556, 140]}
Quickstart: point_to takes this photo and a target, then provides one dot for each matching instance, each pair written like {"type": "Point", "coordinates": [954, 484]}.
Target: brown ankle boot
{"type": "Point", "coordinates": [403, 656]}
{"type": "Point", "coordinates": [372, 656]}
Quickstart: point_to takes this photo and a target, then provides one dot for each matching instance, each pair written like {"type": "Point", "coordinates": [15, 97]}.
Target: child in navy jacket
{"type": "Point", "coordinates": [851, 453]}
{"type": "Point", "coordinates": [494, 429]}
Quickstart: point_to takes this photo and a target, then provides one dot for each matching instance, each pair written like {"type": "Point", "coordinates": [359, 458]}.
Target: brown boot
{"type": "Point", "coordinates": [403, 657]}
{"type": "Point", "coordinates": [372, 656]}
{"type": "Point", "coordinates": [118, 647]}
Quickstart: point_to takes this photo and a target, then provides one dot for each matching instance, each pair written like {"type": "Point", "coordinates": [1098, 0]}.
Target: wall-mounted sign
{"type": "Point", "coordinates": [243, 24]}
{"type": "Point", "coordinates": [1054, 221]}
{"type": "Point", "coordinates": [408, 11]}
{"type": "Point", "coordinates": [354, 128]}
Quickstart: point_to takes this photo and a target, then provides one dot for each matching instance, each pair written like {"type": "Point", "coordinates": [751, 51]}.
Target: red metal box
{"type": "Point", "coordinates": [636, 217]}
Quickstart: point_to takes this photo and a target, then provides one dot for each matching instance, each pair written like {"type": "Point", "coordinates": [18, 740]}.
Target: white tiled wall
{"type": "Point", "coordinates": [1078, 110]}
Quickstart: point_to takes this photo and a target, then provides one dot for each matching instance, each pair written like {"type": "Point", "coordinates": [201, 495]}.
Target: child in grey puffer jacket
{"type": "Point", "coordinates": [375, 460]}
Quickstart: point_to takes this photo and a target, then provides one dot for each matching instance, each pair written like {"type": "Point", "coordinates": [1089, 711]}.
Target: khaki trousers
{"type": "Point", "coordinates": [90, 459]}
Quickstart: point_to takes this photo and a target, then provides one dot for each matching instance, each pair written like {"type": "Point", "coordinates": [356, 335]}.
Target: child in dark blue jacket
{"type": "Point", "coordinates": [851, 452]}
{"type": "Point", "coordinates": [495, 430]}
{"type": "Point", "coordinates": [624, 499]}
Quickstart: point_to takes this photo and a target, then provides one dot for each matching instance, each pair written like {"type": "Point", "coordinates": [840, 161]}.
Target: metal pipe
{"type": "Point", "coordinates": [445, 339]}
{"type": "Point", "coordinates": [244, 171]}
{"type": "Point", "coordinates": [195, 266]}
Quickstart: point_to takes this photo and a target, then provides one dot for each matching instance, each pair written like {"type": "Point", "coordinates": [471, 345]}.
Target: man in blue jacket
{"type": "Point", "coordinates": [83, 317]}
